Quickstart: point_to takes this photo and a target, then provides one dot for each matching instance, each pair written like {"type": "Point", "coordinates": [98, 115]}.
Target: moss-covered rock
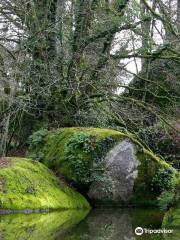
{"type": "Point", "coordinates": [29, 185]}
{"type": "Point", "coordinates": [113, 166]}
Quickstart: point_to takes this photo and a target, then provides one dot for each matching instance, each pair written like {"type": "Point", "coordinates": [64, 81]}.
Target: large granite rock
{"type": "Point", "coordinates": [109, 166]}
{"type": "Point", "coordinates": [121, 170]}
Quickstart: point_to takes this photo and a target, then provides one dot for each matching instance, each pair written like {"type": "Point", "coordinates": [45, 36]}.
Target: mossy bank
{"type": "Point", "coordinates": [109, 165]}
{"type": "Point", "coordinates": [172, 221]}
{"type": "Point", "coordinates": [27, 185]}
{"type": "Point", "coordinates": [172, 217]}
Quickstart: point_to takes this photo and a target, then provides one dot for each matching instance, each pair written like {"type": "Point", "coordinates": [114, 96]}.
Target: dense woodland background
{"type": "Point", "coordinates": [102, 63]}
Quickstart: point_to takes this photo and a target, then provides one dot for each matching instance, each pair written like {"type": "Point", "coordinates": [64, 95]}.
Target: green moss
{"type": "Point", "coordinates": [172, 218]}
{"type": "Point", "coordinates": [56, 143]}
{"type": "Point", "coordinates": [77, 153]}
{"type": "Point", "coordinates": [26, 184]}
{"type": "Point", "coordinates": [172, 221]}
{"type": "Point", "coordinates": [144, 185]}
{"type": "Point", "coordinates": [39, 226]}
{"type": "Point", "coordinates": [56, 153]}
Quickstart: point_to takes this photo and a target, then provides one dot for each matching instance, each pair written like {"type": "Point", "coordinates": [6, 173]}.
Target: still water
{"type": "Point", "coordinates": [99, 224]}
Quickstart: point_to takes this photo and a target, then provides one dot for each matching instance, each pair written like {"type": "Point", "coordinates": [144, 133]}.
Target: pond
{"type": "Point", "coordinates": [99, 224]}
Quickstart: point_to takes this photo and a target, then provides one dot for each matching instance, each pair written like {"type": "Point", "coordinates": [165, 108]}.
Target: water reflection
{"type": "Point", "coordinates": [38, 226]}
{"type": "Point", "coordinates": [116, 224]}
{"type": "Point", "coordinates": [100, 224]}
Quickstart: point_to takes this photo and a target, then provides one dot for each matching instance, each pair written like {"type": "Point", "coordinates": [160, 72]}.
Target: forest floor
{"type": "Point", "coordinates": [4, 162]}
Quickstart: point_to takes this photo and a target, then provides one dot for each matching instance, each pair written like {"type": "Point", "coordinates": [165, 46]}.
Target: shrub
{"type": "Point", "coordinates": [36, 141]}
{"type": "Point", "coordinates": [84, 155]}
{"type": "Point", "coordinates": [163, 180]}
{"type": "Point", "coordinates": [166, 200]}
{"type": "Point", "coordinates": [165, 143]}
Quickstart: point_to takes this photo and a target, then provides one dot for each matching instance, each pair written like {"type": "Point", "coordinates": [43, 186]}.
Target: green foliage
{"type": "Point", "coordinates": [163, 180]}
{"type": "Point", "coordinates": [75, 154]}
{"type": "Point", "coordinates": [16, 125]}
{"type": "Point", "coordinates": [163, 142]}
{"type": "Point", "coordinates": [171, 197]}
{"type": "Point", "coordinates": [78, 154]}
{"type": "Point", "coordinates": [172, 220]}
{"type": "Point", "coordinates": [84, 156]}
{"type": "Point", "coordinates": [166, 200]}
{"type": "Point", "coordinates": [70, 76]}
{"type": "Point", "coordinates": [37, 137]}
{"type": "Point", "coordinates": [36, 141]}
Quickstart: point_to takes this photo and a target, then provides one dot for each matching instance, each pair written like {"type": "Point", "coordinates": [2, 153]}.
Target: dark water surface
{"type": "Point", "coordinates": [99, 224]}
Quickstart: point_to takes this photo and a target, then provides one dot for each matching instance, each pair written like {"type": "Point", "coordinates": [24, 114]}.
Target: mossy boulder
{"type": "Point", "coordinates": [111, 167]}
{"type": "Point", "coordinates": [27, 185]}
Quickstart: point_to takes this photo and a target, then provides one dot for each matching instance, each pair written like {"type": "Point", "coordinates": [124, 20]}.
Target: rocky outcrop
{"type": "Point", "coordinates": [121, 166]}
{"type": "Point", "coordinates": [110, 166]}
{"type": "Point", "coordinates": [27, 185]}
